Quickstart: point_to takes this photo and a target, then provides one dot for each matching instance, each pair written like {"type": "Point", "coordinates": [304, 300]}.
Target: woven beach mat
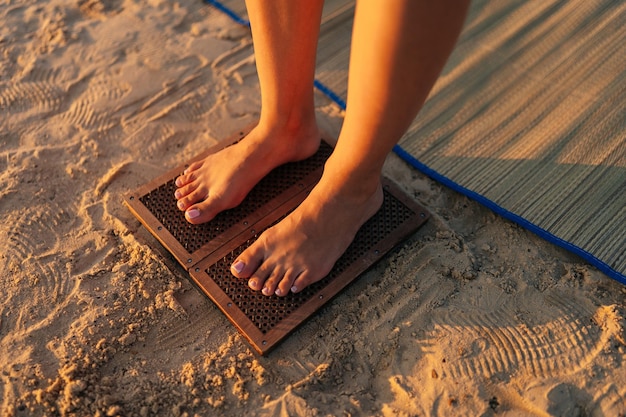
{"type": "Point", "coordinates": [529, 118]}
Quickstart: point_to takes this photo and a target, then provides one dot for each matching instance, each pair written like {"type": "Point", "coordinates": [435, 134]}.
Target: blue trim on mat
{"type": "Point", "coordinates": [415, 163]}
{"type": "Point", "coordinates": [544, 234]}
{"type": "Point", "coordinates": [330, 93]}
{"type": "Point", "coordinates": [229, 12]}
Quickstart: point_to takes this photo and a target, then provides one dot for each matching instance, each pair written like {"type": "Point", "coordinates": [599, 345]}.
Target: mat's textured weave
{"type": "Point", "coordinates": [530, 114]}
{"type": "Point", "coordinates": [528, 117]}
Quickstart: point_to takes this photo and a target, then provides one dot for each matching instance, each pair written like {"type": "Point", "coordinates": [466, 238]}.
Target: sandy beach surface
{"type": "Point", "coordinates": [471, 316]}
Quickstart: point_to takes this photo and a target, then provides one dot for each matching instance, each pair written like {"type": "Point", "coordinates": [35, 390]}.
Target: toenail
{"type": "Point", "coordinates": [238, 267]}
{"type": "Point", "coordinates": [178, 194]}
{"type": "Point", "coordinates": [181, 205]}
{"type": "Point", "coordinates": [294, 289]}
{"type": "Point", "coordinates": [266, 291]}
{"type": "Point", "coordinates": [252, 283]}
{"type": "Point", "coordinates": [278, 292]}
{"type": "Point", "coordinates": [178, 182]}
{"type": "Point", "coordinates": [193, 213]}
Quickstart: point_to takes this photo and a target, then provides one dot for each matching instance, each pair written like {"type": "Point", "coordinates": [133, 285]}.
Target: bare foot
{"type": "Point", "coordinates": [304, 247]}
{"type": "Point", "coordinates": [222, 180]}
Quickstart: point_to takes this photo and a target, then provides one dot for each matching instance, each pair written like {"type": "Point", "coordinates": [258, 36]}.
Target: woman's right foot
{"type": "Point", "coordinates": [222, 180]}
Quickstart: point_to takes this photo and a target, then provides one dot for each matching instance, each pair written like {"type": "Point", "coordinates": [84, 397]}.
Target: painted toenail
{"type": "Point", "coordinates": [278, 292]}
{"type": "Point", "coordinates": [294, 289]}
{"type": "Point", "coordinates": [178, 182]}
{"type": "Point", "coordinates": [178, 194]}
{"type": "Point", "coordinates": [181, 205]}
{"type": "Point", "coordinates": [266, 291]}
{"type": "Point", "coordinates": [252, 284]}
{"type": "Point", "coordinates": [238, 267]}
{"type": "Point", "coordinates": [193, 213]}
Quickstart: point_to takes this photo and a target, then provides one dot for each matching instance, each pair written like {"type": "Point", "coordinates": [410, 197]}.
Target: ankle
{"type": "Point", "coordinates": [298, 136]}
{"type": "Point", "coordinates": [292, 121]}
{"type": "Point", "coordinates": [350, 190]}
{"type": "Point", "coordinates": [358, 179]}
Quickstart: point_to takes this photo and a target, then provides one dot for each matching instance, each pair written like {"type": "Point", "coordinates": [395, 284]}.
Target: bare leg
{"type": "Point", "coordinates": [285, 36]}
{"type": "Point", "coordinates": [398, 51]}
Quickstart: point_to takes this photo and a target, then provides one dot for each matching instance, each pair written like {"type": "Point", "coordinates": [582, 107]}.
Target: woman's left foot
{"type": "Point", "coordinates": [303, 247]}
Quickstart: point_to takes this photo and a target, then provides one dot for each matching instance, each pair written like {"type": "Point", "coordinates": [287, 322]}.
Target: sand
{"type": "Point", "coordinates": [472, 315]}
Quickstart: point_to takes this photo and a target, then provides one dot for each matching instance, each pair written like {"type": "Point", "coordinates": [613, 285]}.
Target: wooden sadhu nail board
{"type": "Point", "coordinates": [206, 251]}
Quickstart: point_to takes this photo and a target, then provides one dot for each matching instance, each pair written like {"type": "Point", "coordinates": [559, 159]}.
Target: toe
{"type": "Point", "coordinates": [200, 213]}
{"type": "Point", "coordinates": [187, 173]}
{"type": "Point", "coordinates": [188, 176]}
{"type": "Point", "coordinates": [248, 262]}
{"type": "Point", "coordinates": [192, 167]}
{"type": "Point", "coordinates": [185, 190]}
{"type": "Point", "coordinates": [271, 284]}
{"type": "Point", "coordinates": [195, 197]}
{"type": "Point", "coordinates": [302, 281]}
{"type": "Point", "coordinates": [287, 282]}
{"type": "Point", "coordinates": [257, 280]}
